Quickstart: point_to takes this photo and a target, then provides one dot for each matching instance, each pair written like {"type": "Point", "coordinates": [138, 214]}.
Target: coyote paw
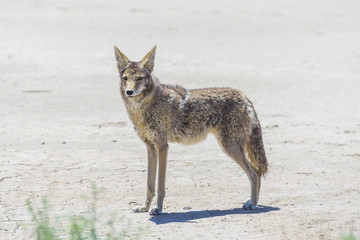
{"type": "Point", "coordinates": [249, 205]}
{"type": "Point", "coordinates": [140, 209]}
{"type": "Point", "coordinates": [155, 211]}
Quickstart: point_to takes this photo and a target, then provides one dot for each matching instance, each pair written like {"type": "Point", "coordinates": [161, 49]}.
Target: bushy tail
{"type": "Point", "coordinates": [256, 151]}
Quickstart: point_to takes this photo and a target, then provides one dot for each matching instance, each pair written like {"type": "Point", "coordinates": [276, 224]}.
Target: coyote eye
{"type": "Point", "coordinates": [140, 78]}
{"type": "Point", "coordinates": [124, 78]}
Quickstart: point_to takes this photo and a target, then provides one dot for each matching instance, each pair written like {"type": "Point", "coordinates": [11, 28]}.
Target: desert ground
{"type": "Point", "coordinates": [63, 124]}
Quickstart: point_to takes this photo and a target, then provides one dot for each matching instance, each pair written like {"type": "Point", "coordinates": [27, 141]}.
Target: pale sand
{"type": "Point", "coordinates": [63, 124]}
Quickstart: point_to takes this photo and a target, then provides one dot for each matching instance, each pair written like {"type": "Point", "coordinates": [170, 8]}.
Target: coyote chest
{"type": "Point", "coordinates": [144, 123]}
{"type": "Point", "coordinates": [154, 123]}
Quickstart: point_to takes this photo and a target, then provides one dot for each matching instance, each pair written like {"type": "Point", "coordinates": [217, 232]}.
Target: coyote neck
{"type": "Point", "coordinates": [140, 110]}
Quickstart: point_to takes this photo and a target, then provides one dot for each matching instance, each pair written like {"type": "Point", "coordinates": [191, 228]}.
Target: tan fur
{"type": "Point", "coordinates": [164, 113]}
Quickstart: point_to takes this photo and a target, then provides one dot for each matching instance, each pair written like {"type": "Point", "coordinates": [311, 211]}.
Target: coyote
{"type": "Point", "coordinates": [164, 113]}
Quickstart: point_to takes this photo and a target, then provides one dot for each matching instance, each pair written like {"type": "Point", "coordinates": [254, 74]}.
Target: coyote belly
{"type": "Point", "coordinates": [164, 113]}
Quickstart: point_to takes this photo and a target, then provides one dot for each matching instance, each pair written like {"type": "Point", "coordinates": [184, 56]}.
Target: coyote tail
{"type": "Point", "coordinates": [256, 151]}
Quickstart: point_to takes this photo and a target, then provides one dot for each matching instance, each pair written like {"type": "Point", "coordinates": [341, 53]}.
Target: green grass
{"type": "Point", "coordinates": [349, 237]}
{"type": "Point", "coordinates": [85, 226]}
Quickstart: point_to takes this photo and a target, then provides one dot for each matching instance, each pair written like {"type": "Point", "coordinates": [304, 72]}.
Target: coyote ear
{"type": "Point", "coordinates": [148, 60]}
{"type": "Point", "coordinates": [121, 59]}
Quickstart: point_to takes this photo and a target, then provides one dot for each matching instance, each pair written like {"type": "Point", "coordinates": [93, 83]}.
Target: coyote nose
{"type": "Point", "coordinates": [129, 92]}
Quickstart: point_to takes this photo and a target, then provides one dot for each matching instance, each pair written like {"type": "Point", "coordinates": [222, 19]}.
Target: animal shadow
{"type": "Point", "coordinates": [191, 216]}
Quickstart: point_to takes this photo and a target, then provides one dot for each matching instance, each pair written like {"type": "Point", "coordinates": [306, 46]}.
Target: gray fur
{"type": "Point", "coordinates": [165, 113]}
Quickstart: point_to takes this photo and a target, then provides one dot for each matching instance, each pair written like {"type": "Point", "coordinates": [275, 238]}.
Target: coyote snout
{"type": "Point", "coordinates": [132, 93]}
{"type": "Point", "coordinates": [129, 93]}
{"type": "Point", "coordinates": [164, 113]}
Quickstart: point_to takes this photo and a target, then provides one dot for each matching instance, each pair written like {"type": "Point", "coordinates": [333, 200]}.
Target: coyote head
{"type": "Point", "coordinates": [135, 77]}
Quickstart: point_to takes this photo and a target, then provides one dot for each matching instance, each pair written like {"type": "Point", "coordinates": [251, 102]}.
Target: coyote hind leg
{"type": "Point", "coordinates": [236, 152]}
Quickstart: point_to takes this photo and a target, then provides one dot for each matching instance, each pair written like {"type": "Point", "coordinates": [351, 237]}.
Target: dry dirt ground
{"type": "Point", "coordinates": [63, 124]}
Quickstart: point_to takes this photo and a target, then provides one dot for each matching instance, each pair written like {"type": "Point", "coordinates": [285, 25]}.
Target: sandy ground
{"type": "Point", "coordinates": [63, 124]}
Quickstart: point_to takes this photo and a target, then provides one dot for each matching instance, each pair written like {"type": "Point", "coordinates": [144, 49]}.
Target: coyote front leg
{"type": "Point", "coordinates": [151, 177]}
{"type": "Point", "coordinates": [162, 150]}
